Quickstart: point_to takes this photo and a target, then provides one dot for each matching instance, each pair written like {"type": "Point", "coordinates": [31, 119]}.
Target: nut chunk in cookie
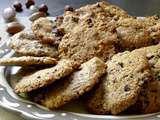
{"type": "Point", "coordinates": [46, 76]}
{"type": "Point", "coordinates": [27, 61]}
{"type": "Point", "coordinates": [126, 75]}
{"type": "Point", "coordinates": [43, 30]}
{"type": "Point", "coordinates": [25, 43]}
{"type": "Point", "coordinates": [73, 86]}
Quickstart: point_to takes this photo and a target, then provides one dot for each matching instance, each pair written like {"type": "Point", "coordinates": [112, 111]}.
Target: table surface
{"type": "Point", "coordinates": [133, 7]}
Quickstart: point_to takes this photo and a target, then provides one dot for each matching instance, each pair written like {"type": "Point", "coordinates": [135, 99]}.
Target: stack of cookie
{"type": "Point", "coordinates": [131, 84]}
{"type": "Point", "coordinates": [98, 50]}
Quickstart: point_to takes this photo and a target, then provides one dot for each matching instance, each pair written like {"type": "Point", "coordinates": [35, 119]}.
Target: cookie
{"type": "Point", "coordinates": [114, 11]}
{"type": "Point", "coordinates": [153, 55]}
{"type": "Point", "coordinates": [22, 72]}
{"type": "Point", "coordinates": [133, 32]}
{"type": "Point", "coordinates": [149, 99]}
{"type": "Point", "coordinates": [69, 21]}
{"type": "Point", "coordinates": [127, 73]}
{"type": "Point", "coordinates": [71, 18]}
{"type": "Point", "coordinates": [43, 30]}
{"type": "Point", "coordinates": [155, 31]}
{"type": "Point", "coordinates": [93, 28]}
{"type": "Point", "coordinates": [25, 43]}
{"type": "Point", "coordinates": [91, 37]}
{"type": "Point", "coordinates": [46, 76]}
{"type": "Point", "coordinates": [84, 45]}
{"type": "Point", "coordinates": [27, 70]}
{"type": "Point", "coordinates": [73, 86]}
{"type": "Point", "coordinates": [27, 61]}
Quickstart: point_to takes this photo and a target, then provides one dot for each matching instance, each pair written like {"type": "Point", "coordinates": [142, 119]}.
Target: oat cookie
{"type": "Point", "coordinates": [92, 28]}
{"type": "Point", "coordinates": [73, 86]}
{"type": "Point", "coordinates": [25, 43]}
{"type": "Point", "coordinates": [153, 55]}
{"type": "Point", "coordinates": [27, 61]}
{"type": "Point", "coordinates": [42, 28]}
{"type": "Point", "coordinates": [149, 99]}
{"type": "Point", "coordinates": [127, 73]}
{"type": "Point", "coordinates": [71, 18]}
{"type": "Point", "coordinates": [133, 32]}
{"type": "Point", "coordinates": [114, 11]}
{"type": "Point", "coordinates": [46, 76]}
{"type": "Point", "coordinates": [91, 37]}
{"type": "Point", "coordinates": [82, 46]}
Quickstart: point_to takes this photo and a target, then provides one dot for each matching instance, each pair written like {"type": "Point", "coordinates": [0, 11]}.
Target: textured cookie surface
{"type": "Point", "coordinates": [42, 28]}
{"type": "Point", "coordinates": [93, 35]}
{"type": "Point", "coordinates": [71, 18]}
{"type": "Point", "coordinates": [149, 99]}
{"type": "Point", "coordinates": [25, 43]}
{"type": "Point", "coordinates": [73, 86]}
{"type": "Point", "coordinates": [126, 75]}
{"type": "Point", "coordinates": [135, 32]}
{"type": "Point", "coordinates": [28, 61]}
{"type": "Point", "coordinates": [82, 46]}
{"type": "Point", "coordinates": [46, 76]}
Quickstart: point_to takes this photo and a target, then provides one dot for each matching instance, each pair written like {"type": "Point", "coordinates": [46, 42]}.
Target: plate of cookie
{"type": "Point", "coordinates": [94, 62]}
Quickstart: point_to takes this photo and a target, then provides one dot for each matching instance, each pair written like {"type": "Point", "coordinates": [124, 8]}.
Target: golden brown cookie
{"type": "Point", "coordinates": [46, 76]}
{"type": "Point", "coordinates": [133, 32]}
{"type": "Point", "coordinates": [70, 19]}
{"type": "Point", "coordinates": [73, 86]}
{"type": "Point", "coordinates": [27, 61]}
{"type": "Point", "coordinates": [92, 36]}
{"type": "Point", "coordinates": [43, 30]}
{"type": "Point", "coordinates": [149, 98]}
{"type": "Point", "coordinates": [127, 73]}
{"type": "Point", "coordinates": [25, 43]}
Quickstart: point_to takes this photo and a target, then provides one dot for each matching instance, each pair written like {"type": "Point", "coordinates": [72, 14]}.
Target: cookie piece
{"type": "Point", "coordinates": [46, 76]}
{"type": "Point", "coordinates": [71, 18]}
{"type": "Point", "coordinates": [91, 27]}
{"type": "Point", "coordinates": [91, 37]}
{"type": "Point", "coordinates": [69, 21]}
{"type": "Point", "coordinates": [43, 30]}
{"type": "Point", "coordinates": [114, 11]}
{"type": "Point", "coordinates": [153, 55]}
{"type": "Point", "coordinates": [155, 31]}
{"type": "Point", "coordinates": [27, 61]}
{"type": "Point", "coordinates": [133, 32]}
{"type": "Point", "coordinates": [149, 99]}
{"type": "Point", "coordinates": [84, 45]}
{"type": "Point", "coordinates": [127, 73]}
{"type": "Point", "coordinates": [73, 86]}
{"type": "Point", "coordinates": [22, 72]}
{"type": "Point", "coordinates": [25, 43]}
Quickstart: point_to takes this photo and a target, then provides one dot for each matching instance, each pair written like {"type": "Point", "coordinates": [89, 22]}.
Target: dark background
{"type": "Point", "coordinates": [134, 7]}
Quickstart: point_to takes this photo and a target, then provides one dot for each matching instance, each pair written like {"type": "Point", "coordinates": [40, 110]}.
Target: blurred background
{"type": "Point", "coordinates": [134, 7]}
